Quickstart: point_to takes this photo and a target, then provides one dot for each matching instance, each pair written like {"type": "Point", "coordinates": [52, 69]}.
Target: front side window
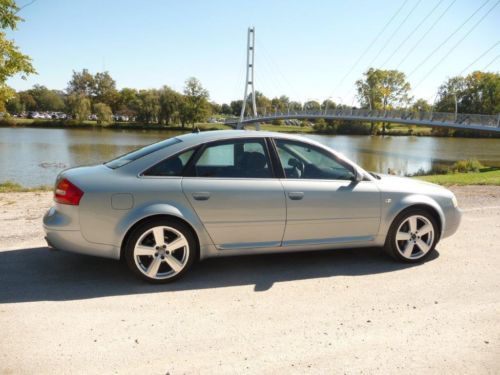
{"type": "Point", "coordinates": [173, 166]}
{"type": "Point", "coordinates": [304, 161]}
{"type": "Point", "coordinates": [234, 159]}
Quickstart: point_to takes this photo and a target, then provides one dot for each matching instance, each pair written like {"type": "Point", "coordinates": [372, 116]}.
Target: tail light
{"type": "Point", "coordinates": [67, 193]}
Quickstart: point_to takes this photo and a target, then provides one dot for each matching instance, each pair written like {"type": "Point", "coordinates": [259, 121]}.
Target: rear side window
{"type": "Point", "coordinates": [137, 154]}
{"type": "Point", "coordinates": [172, 166]}
{"type": "Point", "coordinates": [234, 159]}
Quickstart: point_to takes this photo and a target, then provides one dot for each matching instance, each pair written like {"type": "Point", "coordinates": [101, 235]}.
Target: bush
{"type": "Point", "coordinates": [466, 166]}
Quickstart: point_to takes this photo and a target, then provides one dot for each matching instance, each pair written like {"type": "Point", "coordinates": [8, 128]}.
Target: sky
{"type": "Point", "coordinates": [307, 50]}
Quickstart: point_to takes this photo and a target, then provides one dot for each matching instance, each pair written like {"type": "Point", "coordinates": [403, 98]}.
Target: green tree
{"type": "Point", "coordinates": [383, 90]}
{"type": "Point", "coordinates": [12, 61]}
{"type": "Point", "coordinates": [78, 106]}
{"type": "Point", "coordinates": [147, 106]}
{"type": "Point", "coordinates": [105, 89]}
{"type": "Point", "coordinates": [47, 100]}
{"type": "Point", "coordinates": [103, 113]}
{"type": "Point", "coordinates": [99, 88]}
{"type": "Point", "coordinates": [312, 105]}
{"type": "Point", "coordinates": [126, 99]}
{"type": "Point", "coordinates": [479, 92]}
{"type": "Point", "coordinates": [195, 107]}
{"type": "Point", "coordinates": [169, 102]}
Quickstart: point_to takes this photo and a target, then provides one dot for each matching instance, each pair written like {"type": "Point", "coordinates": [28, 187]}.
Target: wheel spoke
{"type": "Point", "coordinates": [144, 250]}
{"type": "Point", "coordinates": [408, 249]}
{"type": "Point", "coordinates": [159, 236]}
{"type": "Point", "coordinates": [425, 229]}
{"type": "Point", "coordinates": [153, 267]}
{"type": "Point", "coordinates": [177, 244]}
{"type": "Point", "coordinates": [412, 221]}
{"type": "Point", "coordinates": [403, 236]}
{"type": "Point", "coordinates": [423, 246]}
{"type": "Point", "coordinates": [173, 262]}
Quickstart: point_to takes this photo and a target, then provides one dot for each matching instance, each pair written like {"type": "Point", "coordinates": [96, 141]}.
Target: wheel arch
{"type": "Point", "coordinates": [159, 217]}
{"type": "Point", "coordinates": [160, 211]}
{"type": "Point", "coordinates": [418, 202]}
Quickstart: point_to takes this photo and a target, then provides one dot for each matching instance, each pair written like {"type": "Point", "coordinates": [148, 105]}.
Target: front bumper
{"type": "Point", "coordinates": [62, 233]}
{"type": "Point", "coordinates": [453, 217]}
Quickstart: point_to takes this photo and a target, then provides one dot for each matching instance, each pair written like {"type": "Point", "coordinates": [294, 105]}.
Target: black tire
{"type": "Point", "coordinates": [140, 230]}
{"type": "Point", "coordinates": [391, 246]}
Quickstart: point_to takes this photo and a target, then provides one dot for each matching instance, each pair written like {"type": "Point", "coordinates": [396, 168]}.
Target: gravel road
{"type": "Point", "coordinates": [344, 311]}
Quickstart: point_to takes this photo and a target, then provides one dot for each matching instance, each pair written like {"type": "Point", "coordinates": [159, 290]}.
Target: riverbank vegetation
{"type": "Point", "coordinates": [485, 176]}
{"type": "Point", "coordinates": [13, 187]}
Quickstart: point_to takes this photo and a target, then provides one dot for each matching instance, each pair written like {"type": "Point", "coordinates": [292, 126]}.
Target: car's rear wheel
{"type": "Point", "coordinates": [160, 251]}
{"type": "Point", "coordinates": [413, 236]}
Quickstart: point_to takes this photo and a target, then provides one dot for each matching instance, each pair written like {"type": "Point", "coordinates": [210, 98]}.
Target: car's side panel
{"type": "Point", "coordinates": [330, 211]}
{"type": "Point", "coordinates": [240, 212]}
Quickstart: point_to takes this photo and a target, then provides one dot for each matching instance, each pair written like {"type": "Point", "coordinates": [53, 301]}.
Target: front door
{"type": "Point", "coordinates": [324, 202]}
{"type": "Point", "coordinates": [232, 188]}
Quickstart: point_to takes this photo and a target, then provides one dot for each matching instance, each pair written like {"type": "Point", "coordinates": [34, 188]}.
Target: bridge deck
{"type": "Point", "coordinates": [488, 123]}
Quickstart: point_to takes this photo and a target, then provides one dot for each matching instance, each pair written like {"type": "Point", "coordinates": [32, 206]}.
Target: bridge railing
{"type": "Point", "coordinates": [379, 115]}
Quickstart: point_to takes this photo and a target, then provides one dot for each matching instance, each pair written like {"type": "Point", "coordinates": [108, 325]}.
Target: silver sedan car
{"type": "Point", "coordinates": [220, 193]}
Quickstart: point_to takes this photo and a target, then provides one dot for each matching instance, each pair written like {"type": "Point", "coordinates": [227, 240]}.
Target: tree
{"type": "Point", "coordinates": [147, 106]}
{"type": "Point", "coordinates": [312, 105]}
{"type": "Point", "coordinates": [479, 92]}
{"type": "Point", "coordinates": [12, 61]}
{"type": "Point", "coordinates": [78, 106]}
{"type": "Point", "coordinates": [226, 109]}
{"type": "Point", "coordinates": [103, 113]}
{"type": "Point", "coordinates": [125, 102]}
{"type": "Point", "coordinates": [81, 83]}
{"type": "Point", "coordinates": [99, 88]}
{"type": "Point", "coordinates": [169, 102]}
{"type": "Point", "coordinates": [195, 108]}
{"type": "Point", "coordinates": [47, 100]}
{"type": "Point", "coordinates": [383, 90]}
{"type": "Point", "coordinates": [236, 106]}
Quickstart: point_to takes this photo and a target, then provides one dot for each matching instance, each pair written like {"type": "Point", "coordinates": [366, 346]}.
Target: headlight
{"type": "Point", "coordinates": [454, 201]}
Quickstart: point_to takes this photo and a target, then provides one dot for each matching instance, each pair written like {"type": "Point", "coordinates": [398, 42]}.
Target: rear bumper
{"type": "Point", "coordinates": [59, 236]}
{"type": "Point", "coordinates": [453, 217]}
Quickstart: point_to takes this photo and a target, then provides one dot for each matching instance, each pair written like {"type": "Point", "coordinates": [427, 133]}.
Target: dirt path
{"type": "Point", "coordinates": [346, 311]}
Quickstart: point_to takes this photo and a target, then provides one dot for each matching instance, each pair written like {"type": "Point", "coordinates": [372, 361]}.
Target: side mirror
{"type": "Point", "coordinates": [358, 177]}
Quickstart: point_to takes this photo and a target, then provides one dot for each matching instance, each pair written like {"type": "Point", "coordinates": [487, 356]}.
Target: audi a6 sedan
{"type": "Point", "coordinates": [219, 193]}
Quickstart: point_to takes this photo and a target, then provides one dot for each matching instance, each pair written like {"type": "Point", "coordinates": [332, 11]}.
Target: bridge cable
{"type": "Point", "coordinates": [414, 47]}
{"type": "Point", "coordinates": [491, 62]}
{"type": "Point", "coordinates": [394, 33]}
{"type": "Point", "coordinates": [413, 32]}
{"type": "Point", "coordinates": [479, 58]}
{"type": "Point", "coordinates": [369, 47]}
{"type": "Point", "coordinates": [457, 44]}
{"type": "Point", "coordinates": [418, 66]}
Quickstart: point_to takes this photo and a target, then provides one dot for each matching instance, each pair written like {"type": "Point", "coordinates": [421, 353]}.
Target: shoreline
{"type": "Point", "coordinates": [398, 130]}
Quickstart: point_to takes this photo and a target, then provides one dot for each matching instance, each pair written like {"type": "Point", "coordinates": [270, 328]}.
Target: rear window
{"type": "Point", "coordinates": [137, 154]}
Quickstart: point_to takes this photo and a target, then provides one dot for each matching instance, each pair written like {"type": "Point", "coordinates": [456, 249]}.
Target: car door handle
{"type": "Point", "coordinates": [201, 196]}
{"type": "Point", "coordinates": [296, 195]}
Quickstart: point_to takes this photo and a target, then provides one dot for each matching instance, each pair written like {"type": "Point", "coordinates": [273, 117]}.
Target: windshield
{"type": "Point", "coordinates": [137, 154]}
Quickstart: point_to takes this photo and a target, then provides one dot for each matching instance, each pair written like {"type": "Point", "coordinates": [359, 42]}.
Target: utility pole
{"type": "Point", "coordinates": [249, 81]}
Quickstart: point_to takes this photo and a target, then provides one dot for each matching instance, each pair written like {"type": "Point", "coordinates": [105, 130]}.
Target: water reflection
{"type": "Point", "coordinates": [35, 156]}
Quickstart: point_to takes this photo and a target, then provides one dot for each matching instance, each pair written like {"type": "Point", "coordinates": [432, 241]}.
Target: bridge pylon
{"type": "Point", "coordinates": [250, 78]}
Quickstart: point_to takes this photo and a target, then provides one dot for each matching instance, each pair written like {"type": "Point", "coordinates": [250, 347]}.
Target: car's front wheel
{"type": "Point", "coordinates": [160, 251]}
{"type": "Point", "coordinates": [413, 236]}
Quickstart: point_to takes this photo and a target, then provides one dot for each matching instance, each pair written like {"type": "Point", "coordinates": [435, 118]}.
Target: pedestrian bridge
{"type": "Point", "coordinates": [485, 123]}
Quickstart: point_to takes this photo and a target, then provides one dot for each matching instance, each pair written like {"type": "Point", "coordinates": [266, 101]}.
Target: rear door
{"type": "Point", "coordinates": [232, 188]}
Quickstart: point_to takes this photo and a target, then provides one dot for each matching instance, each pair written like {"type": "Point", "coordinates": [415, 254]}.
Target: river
{"type": "Point", "coordinates": [34, 157]}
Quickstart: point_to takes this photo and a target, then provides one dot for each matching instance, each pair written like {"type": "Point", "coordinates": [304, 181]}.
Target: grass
{"type": "Point", "coordinates": [13, 187]}
{"type": "Point", "coordinates": [485, 176]}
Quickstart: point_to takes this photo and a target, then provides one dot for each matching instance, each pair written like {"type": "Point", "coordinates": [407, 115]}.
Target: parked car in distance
{"type": "Point", "coordinates": [234, 192]}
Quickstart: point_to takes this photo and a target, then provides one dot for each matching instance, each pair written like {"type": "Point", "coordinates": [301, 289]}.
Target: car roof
{"type": "Point", "coordinates": [213, 135]}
